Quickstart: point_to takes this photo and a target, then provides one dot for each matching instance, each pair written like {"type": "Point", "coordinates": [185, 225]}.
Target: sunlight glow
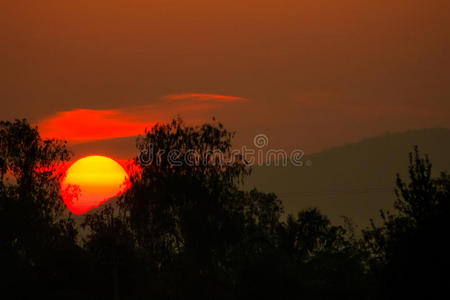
{"type": "Point", "coordinates": [92, 180]}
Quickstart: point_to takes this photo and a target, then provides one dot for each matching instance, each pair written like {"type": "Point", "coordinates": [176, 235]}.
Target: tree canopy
{"type": "Point", "coordinates": [186, 228]}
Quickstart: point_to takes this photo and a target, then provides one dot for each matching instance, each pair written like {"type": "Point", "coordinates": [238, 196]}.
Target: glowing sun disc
{"type": "Point", "coordinates": [92, 180]}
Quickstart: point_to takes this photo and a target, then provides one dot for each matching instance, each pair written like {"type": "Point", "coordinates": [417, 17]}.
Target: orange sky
{"type": "Point", "coordinates": [311, 74]}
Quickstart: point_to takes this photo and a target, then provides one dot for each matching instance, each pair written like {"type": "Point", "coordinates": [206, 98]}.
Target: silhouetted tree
{"type": "Point", "coordinates": [197, 234]}
{"type": "Point", "coordinates": [409, 252]}
{"type": "Point", "coordinates": [323, 259]}
{"type": "Point", "coordinates": [37, 233]}
{"type": "Point", "coordinates": [188, 218]}
{"type": "Point", "coordinates": [187, 229]}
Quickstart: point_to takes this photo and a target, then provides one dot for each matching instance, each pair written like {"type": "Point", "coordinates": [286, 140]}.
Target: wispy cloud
{"type": "Point", "coordinates": [86, 125]}
{"type": "Point", "coordinates": [204, 97]}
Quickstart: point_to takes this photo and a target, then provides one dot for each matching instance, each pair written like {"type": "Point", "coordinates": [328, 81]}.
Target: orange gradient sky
{"type": "Point", "coordinates": [310, 74]}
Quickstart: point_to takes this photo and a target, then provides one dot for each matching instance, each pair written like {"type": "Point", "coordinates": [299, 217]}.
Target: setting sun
{"type": "Point", "coordinates": [92, 180]}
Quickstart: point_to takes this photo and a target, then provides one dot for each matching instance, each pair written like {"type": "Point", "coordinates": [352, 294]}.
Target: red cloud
{"type": "Point", "coordinates": [204, 97]}
{"type": "Point", "coordinates": [85, 125]}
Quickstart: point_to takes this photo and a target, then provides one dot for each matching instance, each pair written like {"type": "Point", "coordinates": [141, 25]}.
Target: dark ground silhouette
{"type": "Point", "coordinates": [185, 232]}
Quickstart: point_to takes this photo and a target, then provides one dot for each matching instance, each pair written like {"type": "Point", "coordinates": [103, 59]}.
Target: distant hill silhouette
{"type": "Point", "coordinates": [355, 180]}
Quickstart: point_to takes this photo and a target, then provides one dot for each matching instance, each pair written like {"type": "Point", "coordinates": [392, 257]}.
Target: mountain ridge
{"type": "Point", "coordinates": [356, 179]}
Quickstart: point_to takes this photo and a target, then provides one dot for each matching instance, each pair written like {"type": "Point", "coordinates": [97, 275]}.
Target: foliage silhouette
{"type": "Point", "coordinates": [190, 231]}
{"type": "Point", "coordinates": [198, 235]}
{"type": "Point", "coordinates": [37, 234]}
{"type": "Point", "coordinates": [409, 251]}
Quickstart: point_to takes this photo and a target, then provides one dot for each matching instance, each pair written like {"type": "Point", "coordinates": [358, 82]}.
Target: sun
{"type": "Point", "coordinates": [92, 180]}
